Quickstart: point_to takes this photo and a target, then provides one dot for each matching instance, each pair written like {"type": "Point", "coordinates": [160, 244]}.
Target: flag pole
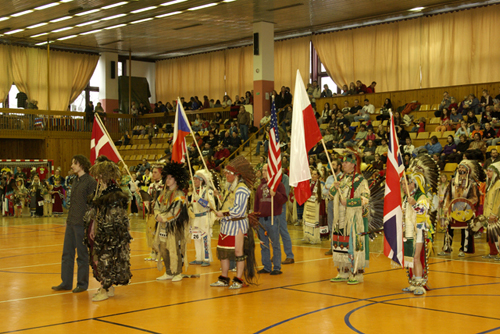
{"type": "Point", "coordinates": [189, 164]}
{"type": "Point", "coordinates": [329, 160]}
{"type": "Point", "coordinates": [194, 139]}
{"type": "Point", "coordinates": [96, 116]}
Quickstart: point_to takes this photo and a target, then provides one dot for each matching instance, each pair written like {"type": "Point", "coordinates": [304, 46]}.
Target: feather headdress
{"type": "Point", "coordinates": [425, 172]}
{"type": "Point", "coordinates": [105, 171]}
{"type": "Point", "coordinates": [178, 172]}
{"type": "Point", "coordinates": [241, 167]}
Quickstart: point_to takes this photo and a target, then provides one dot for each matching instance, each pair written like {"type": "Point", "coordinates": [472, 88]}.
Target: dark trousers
{"type": "Point", "coordinates": [73, 239]}
{"type": "Point", "coordinates": [165, 254]}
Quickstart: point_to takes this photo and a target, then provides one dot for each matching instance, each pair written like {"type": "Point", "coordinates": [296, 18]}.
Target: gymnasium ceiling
{"type": "Point", "coordinates": [159, 29]}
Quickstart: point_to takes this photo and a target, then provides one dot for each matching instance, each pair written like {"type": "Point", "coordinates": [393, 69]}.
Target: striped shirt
{"type": "Point", "coordinates": [238, 210]}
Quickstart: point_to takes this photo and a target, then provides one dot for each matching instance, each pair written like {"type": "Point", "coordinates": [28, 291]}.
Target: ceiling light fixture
{"type": "Point", "coordinates": [140, 21]}
{"type": "Point", "coordinates": [39, 35]}
{"type": "Point", "coordinates": [88, 12]}
{"type": "Point", "coordinates": [23, 13]}
{"type": "Point", "coordinates": [116, 26]}
{"type": "Point", "coordinates": [13, 31]}
{"type": "Point", "coordinates": [90, 32]}
{"type": "Point", "coordinates": [53, 4]}
{"type": "Point", "coordinates": [115, 5]}
{"type": "Point", "coordinates": [87, 23]}
{"type": "Point", "coordinates": [37, 25]}
{"type": "Point", "coordinates": [203, 6]}
{"type": "Point", "coordinates": [64, 1]}
{"type": "Point", "coordinates": [168, 14]}
{"type": "Point", "coordinates": [4, 18]}
{"type": "Point", "coordinates": [143, 9]}
{"type": "Point", "coordinates": [44, 43]}
{"type": "Point", "coordinates": [113, 17]}
{"type": "Point", "coordinates": [229, 1]}
{"type": "Point", "coordinates": [416, 9]}
{"type": "Point", "coordinates": [67, 37]}
{"type": "Point", "coordinates": [62, 29]}
{"type": "Point", "coordinates": [60, 19]}
{"type": "Point", "coordinates": [172, 2]}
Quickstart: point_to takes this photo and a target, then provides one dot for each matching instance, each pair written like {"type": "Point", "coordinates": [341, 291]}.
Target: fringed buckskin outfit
{"type": "Point", "coordinates": [154, 190]}
{"type": "Point", "coordinates": [423, 173]}
{"type": "Point", "coordinates": [109, 248]}
{"type": "Point", "coordinates": [314, 214]}
{"type": "Point", "coordinates": [202, 218]}
{"type": "Point", "coordinates": [492, 211]}
{"type": "Point", "coordinates": [462, 187]}
{"type": "Point", "coordinates": [350, 250]}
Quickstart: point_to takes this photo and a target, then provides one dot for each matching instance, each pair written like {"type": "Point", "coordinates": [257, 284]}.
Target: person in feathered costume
{"type": "Point", "coordinates": [422, 177]}
{"type": "Point", "coordinates": [460, 205]}
{"type": "Point", "coordinates": [236, 238]}
{"type": "Point", "coordinates": [107, 230]}
{"type": "Point", "coordinates": [350, 247]}
{"type": "Point", "coordinates": [492, 210]}
{"type": "Point", "coordinates": [202, 219]}
{"type": "Point", "coordinates": [173, 220]}
{"type": "Point", "coordinates": [151, 201]}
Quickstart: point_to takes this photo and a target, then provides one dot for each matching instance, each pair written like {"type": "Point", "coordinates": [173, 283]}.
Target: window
{"type": "Point", "coordinates": [12, 101]}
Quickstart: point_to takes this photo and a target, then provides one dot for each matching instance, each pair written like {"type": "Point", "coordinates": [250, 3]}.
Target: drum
{"type": "Point", "coordinates": [461, 209]}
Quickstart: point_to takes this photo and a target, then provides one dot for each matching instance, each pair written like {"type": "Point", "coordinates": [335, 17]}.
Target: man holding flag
{"type": "Point", "coordinates": [269, 200]}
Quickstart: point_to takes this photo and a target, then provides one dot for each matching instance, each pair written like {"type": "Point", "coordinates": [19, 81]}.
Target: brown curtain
{"type": "Point", "coordinates": [196, 75]}
{"type": "Point", "coordinates": [382, 53]}
{"type": "Point", "coordinates": [6, 70]}
{"type": "Point", "coordinates": [239, 71]}
{"type": "Point", "coordinates": [69, 74]}
{"type": "Point", "coordinates": [289, 56]}
{"type": "Point", "coordinates": [442, 50]}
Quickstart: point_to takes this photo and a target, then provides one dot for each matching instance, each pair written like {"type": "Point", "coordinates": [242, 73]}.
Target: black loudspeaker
{"type": "Point", "coordinates": [256, 44]}
{"type": "Point", "coordinates": [113, 69]}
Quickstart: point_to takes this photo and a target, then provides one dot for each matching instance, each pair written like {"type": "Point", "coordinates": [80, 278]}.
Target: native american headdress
{"type": "Point", "coordinates": [424, 172]}
{"type": "Point", "coordinates": [351, 154]}
{"type": "Point", "coordinates": [495, 167]}
{"type": "Point", "coordinates": [242, 168]}
{"type": "Point", "coordinates": [208, 177]}
{"type": "Point", "coordinates": [158, 164]}
{"type": "Point", "coordinates": [474, 171]}
{"type": "Point", "coordinates": [178, 172]}
{"type": "Point", "coordinates": [105, 171]}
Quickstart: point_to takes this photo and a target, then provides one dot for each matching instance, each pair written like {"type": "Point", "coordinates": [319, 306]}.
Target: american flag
{"type": "Point", "coordinates": [393, 214]}
{"type": "Point", "coordinates": [274, 159]}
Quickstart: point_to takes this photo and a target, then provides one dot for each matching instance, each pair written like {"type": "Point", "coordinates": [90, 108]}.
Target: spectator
{"type": "Point", "coordinates": [360, 137]}
{"type": "Point", "coordinates": [89, 114]}
{"type": "Point", "coordinates": [360, 87]}
{"type": "Point", "coordinates": [226, 140]}
{"type": "Point", "coordinates": [345, 90]}
{"type": "Point", "coordinates": [237, 101]}
{"type": "Point", "coordinates": [244, 123]}
{"type": "Point", "coordinates": [142, 109]}
{"type": "Point", "coordinates": [384, 111]}
{"type": "Point", "coordinates": [472, 103]}
{"type": "Point", "coordinates": [432, 146]}
{"type": "Point", "coordinates": [369, 152]}
{"type": "Point", "coordinates": [354, 111]}
{"type": "Point", "coordinates": [194, 104]}
{"type": "Point", "coordinates": [226, 101]}
{"type": "Point", "coordinates": [352, 89]}
{"type": "Point", "coordinates": [382, 150]}
{"type": "Point", "coordinates": [455, 118]}
{"type": "Point", "coordinates": [378, 164]}
{"type": "Point", "coordinates": [217, 104]}
{"type": "Point", "coordinates": [326, 92]}
{"type": "Point", "coordinates": [347, 136]}
{"type": "Point", "coordinates": [381, 134]}
{"type": "Point", "coordinates": [197, 123]}
{"type": "Point", "coordinates": [492, 159]}
{"type": "Point", "coordinates": [478, 144]}
{"type": "Point", "coordinates": [408, 148]}
{"type": "Point", "coordinates": [264, 142]}
{"type": "Point", "coordinates": [371, 89]}
{"type": "Point", "coordinates": [462, 130]}
{"type": "Point", "coordinates": [236, 142]}
{"type": "Point", "coordinates": [444, 124]}
{"type": "Point", "coordinates": [221, 154]}
{"type": "Point", "coordinates": [365, 112]}
{"type": "Point", "coordinates": [248, 98]}
{"type": "Point", "coordinates": [419, 125]}
{"type": "Point", "coordinates": [402, 134]}
{"type": "Point", "coordinates": [444, 103]}
{"type": "Point", "coordinates": [326, 114]}
{"type": "Point", "coordinates": [486, 100]}
{"type": "Point", "coordinates": [449, 148]}
{"type": "Point", "coordinates": [489, 134]}
{"type": "Point", "coordinates": [461, 148]}
{"type": "Point", "coordinates": [477, 129]}
{"type": "Point", "coordinates": [314, 93]}
{"type": "Point", "coordinates": [263, 121]}
{"type": "Point", "coordinates": [206, 102]}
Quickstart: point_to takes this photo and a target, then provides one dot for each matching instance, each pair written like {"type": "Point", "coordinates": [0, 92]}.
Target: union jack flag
{"type": "Point", "coordinates": [274, 158]}
{"type": "Point", "coordinates": [393, 214]}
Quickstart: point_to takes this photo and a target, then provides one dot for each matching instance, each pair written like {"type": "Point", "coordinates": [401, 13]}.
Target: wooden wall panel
{"type": "Point", "coordinates": [22, 148]}
{"type": "Point", "coordinates": [62, 150]}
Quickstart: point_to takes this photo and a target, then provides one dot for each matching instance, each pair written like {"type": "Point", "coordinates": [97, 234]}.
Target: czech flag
{"type": "Point", "coordinates": [302, 141]}
{"type": "Point", "coordinates": [181, 130]}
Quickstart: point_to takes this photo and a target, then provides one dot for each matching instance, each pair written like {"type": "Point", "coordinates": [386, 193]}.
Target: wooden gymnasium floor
{"type": "Point", "coordinates": [464, 298]}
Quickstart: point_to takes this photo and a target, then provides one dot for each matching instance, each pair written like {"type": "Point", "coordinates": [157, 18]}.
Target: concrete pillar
{"type": "Point", "coordinates": [108, 87]}
{"type": "Point", "coordinates": [263, 69]}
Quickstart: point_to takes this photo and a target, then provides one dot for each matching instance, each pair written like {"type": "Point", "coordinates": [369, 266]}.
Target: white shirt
{"type": "Point", "coordinates": [369, 109]}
